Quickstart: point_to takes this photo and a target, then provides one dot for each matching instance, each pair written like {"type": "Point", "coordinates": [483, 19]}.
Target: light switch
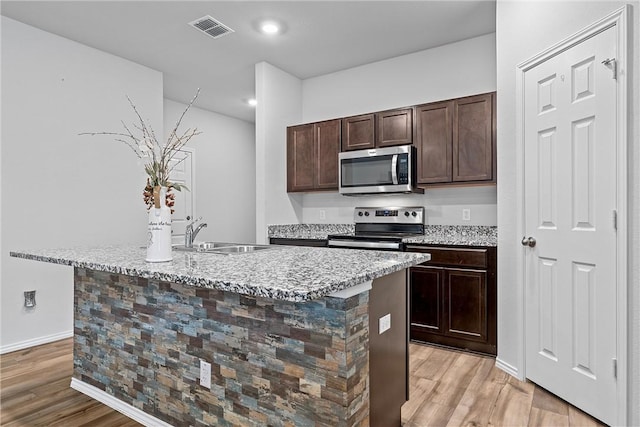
{"type": "Point", "coordinates": [384, 323]}
{"type": "Point", "coordinates": [205, 374]}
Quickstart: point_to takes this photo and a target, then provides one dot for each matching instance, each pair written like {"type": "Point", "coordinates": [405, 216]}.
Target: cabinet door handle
{"type": "Point", "coordinates": [394, 169]}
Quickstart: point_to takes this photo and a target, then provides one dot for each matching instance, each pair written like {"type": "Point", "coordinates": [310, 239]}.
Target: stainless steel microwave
{"type": "Point", "coordinates": [379, 170]}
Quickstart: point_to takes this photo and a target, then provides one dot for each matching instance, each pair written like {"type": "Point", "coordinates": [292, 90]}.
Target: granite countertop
{"type": "Point", "coordinates": [284, 273]}
{"type": "Point", "coordinates": [457, 235]}
{"type": "Point", "coordinates": [308, 231]}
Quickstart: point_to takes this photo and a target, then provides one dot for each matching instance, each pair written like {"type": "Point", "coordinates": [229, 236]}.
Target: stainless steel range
{"type": "Point", "coordinates": [381, 228]}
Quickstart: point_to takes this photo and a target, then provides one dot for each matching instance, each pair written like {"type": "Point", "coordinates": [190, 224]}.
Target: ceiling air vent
{"type": "Point", "coordinates": [211, 27]}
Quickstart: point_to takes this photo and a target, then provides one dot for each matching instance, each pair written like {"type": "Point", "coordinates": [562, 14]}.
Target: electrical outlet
{"type": "Point", "coordinates": [323, 214]}
{"type": "Point", "coordinates": [29, 299]}
{"type": "Point", "coordinates": [205, 374]}
{"type": "Point", "coordinates": [384, 323]}
{"type": "Point", "coordinates": [466, 214]}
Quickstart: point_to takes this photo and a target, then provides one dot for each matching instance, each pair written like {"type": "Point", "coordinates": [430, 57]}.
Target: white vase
{"type": "Point", "coordinates": [159, 236]}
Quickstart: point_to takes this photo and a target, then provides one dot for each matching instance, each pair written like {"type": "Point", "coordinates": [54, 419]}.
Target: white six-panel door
{"type": "Point", "coordinates": [570, 202]}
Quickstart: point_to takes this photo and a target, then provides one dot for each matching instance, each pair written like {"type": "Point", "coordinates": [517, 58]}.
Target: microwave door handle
{"type": "Point", "coordinates": [394, 169]}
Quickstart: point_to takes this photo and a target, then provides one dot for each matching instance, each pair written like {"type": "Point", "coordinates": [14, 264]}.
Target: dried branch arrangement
{"type": "Point", "coordinates": [157, 157]}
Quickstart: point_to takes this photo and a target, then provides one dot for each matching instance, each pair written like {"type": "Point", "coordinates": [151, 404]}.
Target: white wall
{"type": "Point", "coordinates": [450, 71]}
{"type": "Point", "coordinates": [225, 171]}
{"type": "Point", "coordinates": [279, 96]}
{"type": "Point", "coordinates": [60, 189]}
{"type": "Point", "coordinates": [443, 206]}
{"type": "Point", "coordinates": [523, 30]}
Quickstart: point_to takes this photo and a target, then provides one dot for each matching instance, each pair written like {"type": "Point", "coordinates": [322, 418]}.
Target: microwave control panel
{"type": "Point", "coordinates": [403, 169]}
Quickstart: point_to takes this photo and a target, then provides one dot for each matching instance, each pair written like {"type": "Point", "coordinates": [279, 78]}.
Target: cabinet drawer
{"type": "Point", "coordinates": [297, 242]}
{"type": "Point", "coordinates": [476, 258]}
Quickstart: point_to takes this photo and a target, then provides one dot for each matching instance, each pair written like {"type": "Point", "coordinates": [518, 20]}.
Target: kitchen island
{"type": "Point", "coordinates": [295, 336]}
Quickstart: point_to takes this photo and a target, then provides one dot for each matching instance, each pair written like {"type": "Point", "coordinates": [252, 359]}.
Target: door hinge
{"type": "Point", "coordinates": [615, 368]}
{"type": "Point", "coordinates": [615, 220]}
{"type": "Point", "coordinates": [613, 65]}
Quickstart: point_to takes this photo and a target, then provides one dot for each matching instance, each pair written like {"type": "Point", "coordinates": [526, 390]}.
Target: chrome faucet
{"type": "Point", "coordinates": [190, 234]}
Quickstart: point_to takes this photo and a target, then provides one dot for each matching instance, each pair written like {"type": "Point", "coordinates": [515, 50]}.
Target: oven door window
{"type": "Point", "coordinates": [364, 172]}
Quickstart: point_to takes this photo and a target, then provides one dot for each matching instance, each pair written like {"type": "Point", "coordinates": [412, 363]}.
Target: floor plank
{"type": "Point", "coordinates": [480, 395]}
{"type": "Point", "coordinates": [453, 388]}
{"type": "Point", "coordinates": [447, 388]}
{"type": "Point", "coordinates": [35, 391]}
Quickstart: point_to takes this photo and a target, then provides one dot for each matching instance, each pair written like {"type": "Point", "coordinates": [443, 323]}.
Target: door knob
{"type": "Point", "coordinates": [528, 241]}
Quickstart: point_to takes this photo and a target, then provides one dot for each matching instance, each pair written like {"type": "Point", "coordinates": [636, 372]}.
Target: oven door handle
{"type": "Point", "coordinates": [394, 169]}
{"type": "Point", "coordinates": [365, 245]}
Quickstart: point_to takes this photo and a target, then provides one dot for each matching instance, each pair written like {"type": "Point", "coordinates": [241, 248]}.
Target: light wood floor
{"type": "Point", "coordinates": [447, 388]}
{"type": "Point", "coordinates": [452, 388]}
{"type": "Point", "coordinates": [35, 391]}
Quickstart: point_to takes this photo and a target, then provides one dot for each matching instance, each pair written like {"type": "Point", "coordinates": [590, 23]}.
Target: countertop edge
{"type": "Point", "coordinates": [203, 282]}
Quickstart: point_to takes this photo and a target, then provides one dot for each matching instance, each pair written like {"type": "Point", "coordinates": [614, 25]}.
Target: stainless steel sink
{"type": "Point", "coordinates": [207, 246]}
{"type": "Point", "coordinates": [222, 247]}
{"type": "Point", "coordinates": [240, 249]}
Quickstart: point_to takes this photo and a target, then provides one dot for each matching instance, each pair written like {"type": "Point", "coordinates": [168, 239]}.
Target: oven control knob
{"type": "Point", "coordinates": [414, 214]}
{"type": "Point", "coordinates": [360, 214]}
{"type": "Point", "coordinates": [406, 213]}
{"type": "Point", "coordinates": [366, 214]}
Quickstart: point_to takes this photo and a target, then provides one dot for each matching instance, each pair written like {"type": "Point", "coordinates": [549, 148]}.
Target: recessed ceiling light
{"type": "Point", "coordinates": [253, 102]}
{"type": "Point", "coordinates": [270, 28]}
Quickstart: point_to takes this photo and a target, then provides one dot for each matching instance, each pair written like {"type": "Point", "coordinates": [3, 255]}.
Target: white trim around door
{"type": "Point", "coordinates": [618, 19]}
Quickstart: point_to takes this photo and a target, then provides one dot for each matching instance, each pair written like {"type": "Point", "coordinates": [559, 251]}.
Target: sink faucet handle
{"type": "Point", "coordinates": [195, 220]}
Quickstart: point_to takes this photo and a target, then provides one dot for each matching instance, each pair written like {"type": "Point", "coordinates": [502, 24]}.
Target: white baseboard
{"type": "Point", "coordinates": [35, 342]}
{"type": "Point", "coordinates": [509, 369]}
{"type": "Point", "coordinates": [117, 404]}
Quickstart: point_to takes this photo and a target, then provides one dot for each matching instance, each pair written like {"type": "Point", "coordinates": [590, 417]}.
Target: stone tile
{"type": "Point", "coordinates": [273, 362]}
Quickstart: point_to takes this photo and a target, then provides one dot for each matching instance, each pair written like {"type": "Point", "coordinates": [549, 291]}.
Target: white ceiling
{"type": "Point", "coordinates": [320, 37]}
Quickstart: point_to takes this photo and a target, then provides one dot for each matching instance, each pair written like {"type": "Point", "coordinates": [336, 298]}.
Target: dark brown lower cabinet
{"type": "Point", "coordinates": [297, 242]}
{"type": "Point", "coordinates": [453, 298]}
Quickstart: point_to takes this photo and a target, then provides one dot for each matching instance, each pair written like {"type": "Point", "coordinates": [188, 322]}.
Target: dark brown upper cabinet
{"type": "Point", "coordinates": [455, 140]}
{"type": "Point", "coordinates": [473, 138]}
{"type": "Point", "coordinates": [358, 132]}
{"type": "Point", "coordinates": [300, 156]}
{"type": "Point", "coordinates": [434, 124]}
{"type": "Point", "coordinates": [394, 127]}
{"type": "Point", "coordinates": [382, 129]}
{"type": "Point", "coordinates": [327, 141]}
{"type": "Point", "coordinates": [312, 156]}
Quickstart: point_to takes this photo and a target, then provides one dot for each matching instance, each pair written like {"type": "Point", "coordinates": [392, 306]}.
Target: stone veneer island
{"type": "Point", "coordinates": [291, 334]}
